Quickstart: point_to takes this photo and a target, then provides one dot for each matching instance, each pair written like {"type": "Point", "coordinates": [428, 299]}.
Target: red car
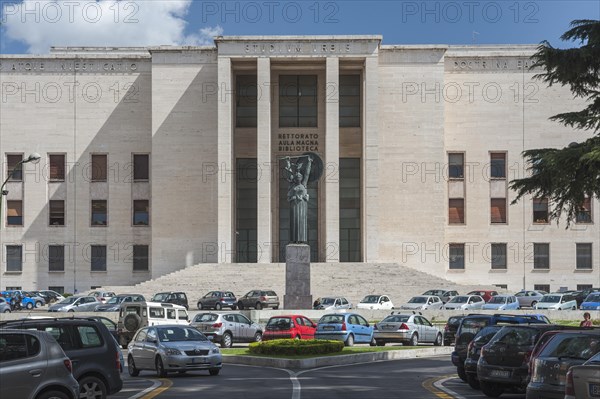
{"type": "Point", "coordinates": [485, 294]}
{"type": "Point", "coordinates": [289, 326]}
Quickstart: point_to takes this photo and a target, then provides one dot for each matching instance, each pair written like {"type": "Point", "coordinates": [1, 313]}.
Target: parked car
{"type": "Point", "coordinates": [583, 382]}
{"type": "Point", "coordinates": [592, 302]}
{"type": "Point", "coordinates": [102, 296]}
{"type": "Point", "coordinates": [289, 326]}
{"type": "Point", "coordinates": [407, 329]}
{"type": "Point", "coordinates": [563, 350]}
{"type": "Point", "coordinates": [218, 300]}
{"type": "Point", "coordinates": [450, 329]}
{"type": "Point", "coordinates": [113, 304]}
{"type": "Point", "coordinates": [169, 348]}
{"type": "Point", "coordinates": [485, 294]}
{"type": "Point", "coordinates": [529, 298]}
{"type": "Point", "coordinates": [33, 365]}
{"type": "Point", "coordinates": [91, 348]}
{"type": "Point", "coordinates": [75, 304]}
{"type": "Point", "coordinates": [473, 351]}
{"type": "Point", "coordinates": [423, 302]}
{"type": "Point", "coordinates": [332, 303]}
{"type": "Point", "coordinates": [259, 299]}
{"type": "Point", "coordinates": [13, 297]}
{"type": "Point", "coordinates": [176, 298]}
{"type": "Point", "coordinates": [444, 295]}
{"type": "Point", "coordinates": [38, 300]}
{"type": "Point", "coordinates": [227, 328]}
{"type": "Point", "coordinates": [464, 302]}
{"type": "Point", "coordinates": [578, 295]}
{"type": "Point", "coordinates": [51, 296]}
{"type": "Point", "coordinates": [349, 328]}
{"type": "Point", "coordinates": [135, 315]}
{"type": "Point", "coordinates": [502, 302]}
{"type": "Point", "coordinates": [4, 306]}
{"type": "Point", "coordinates": [557, 301]}
{"type": "Point", "coordinates": [375, 302]}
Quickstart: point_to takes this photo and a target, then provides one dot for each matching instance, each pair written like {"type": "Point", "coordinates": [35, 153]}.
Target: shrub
{"type": "Point", "coordinates": [293, 347]}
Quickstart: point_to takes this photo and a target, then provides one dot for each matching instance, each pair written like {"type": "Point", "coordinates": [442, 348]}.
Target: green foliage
{"type": "Point", "coordinates": [66, 294]}
{"type": "Point", "coordinates": [295, 347]}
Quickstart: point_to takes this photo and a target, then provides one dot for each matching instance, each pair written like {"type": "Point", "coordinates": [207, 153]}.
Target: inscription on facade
{"type": "Point", "coordinates": [298, 142]}
{"type": "Point", "coordinates": [489, 64]}
{"type": "Point", "coordinates": [297, 48]}
{"type": "Point", "coordinates": [69, 66]}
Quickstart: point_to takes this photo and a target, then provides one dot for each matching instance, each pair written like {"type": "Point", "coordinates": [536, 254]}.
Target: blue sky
{"type": "Point", "coordinates": [35, 25]}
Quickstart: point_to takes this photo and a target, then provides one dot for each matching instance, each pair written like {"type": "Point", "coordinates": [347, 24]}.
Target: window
{"type": "Point", "coordinates": [246, 100]}
{"type": "Point", "coordinates": [542, 287]}
{"type": "Point", "coordinates": [584, 215]}
{"type": "Point", "coordinates": [14, 216]}
{"type": "Point", "coordinates": [56, 212]}
{"type": "Point", "coordinates": [498, 210]}
{"type": "Point", "coordinates": [56, 258]}
{"type": "Point", "coordinates": [99, 167]}
{"type": "Point", "coordinates": [457, 256]}
{"type": "Point", "coordinates": [298, 101]}
{"type": "Point", "coordinates": [14, 258]}
{"type": "Point", "coordinates": [57, 167]}
{"type": "Point", "coordinates": [582, 287]}
{"type": "Point", "coordinates": [498, 256]}
{"type": "Point", "coordinates": [140, 258]}
{"type": "Point", "coordinates": [456, 211]}
{"type": "Point", "coordinates": [99, 213]}
{"type": "Point", "coordinates": [57, 288]}
{"type": "Point", "coordinates": [350, 210]}
{"type": "Point", "coordinates": [540, 210]}
{"type": "Point", "coordinates": [18, 346]}
{"type": "Point", "coordinates": [90, 337]}
{"type": "Point", "coordinates": [584, 256]}
{"type": "Point", "coordinates": [98, 258]}
{"type": "Point", "coordinates": [141, 167]}
{"type": "Point", "coordinates": [456, 165]}
{"type": "Point", "coordinates": [11, 165]}
{"type": "Point", "coordinates": [498, 165]}
{"type": "Point", "coordinates": [141, 213]}
{"type": "Point", "coordinates": [541, 256]}
{"type": "Point", "coordinates": [350, 100]}
{"type": "Point", "coordinates": [246, 210]}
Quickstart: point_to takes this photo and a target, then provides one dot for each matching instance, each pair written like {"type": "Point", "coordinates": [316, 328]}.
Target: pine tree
{"type": "Point", "coordinates": [567, 176]}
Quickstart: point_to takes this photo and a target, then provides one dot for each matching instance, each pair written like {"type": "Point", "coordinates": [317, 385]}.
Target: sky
{"type": "Point", "coordinates": [33, 26]}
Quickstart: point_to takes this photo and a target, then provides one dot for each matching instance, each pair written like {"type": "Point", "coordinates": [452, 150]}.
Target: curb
{"type": "Point", "coordinates": [336, 360]}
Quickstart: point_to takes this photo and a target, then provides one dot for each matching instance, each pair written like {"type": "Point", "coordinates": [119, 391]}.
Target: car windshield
{"type": "Point", "coordinates": [280, 323]}
{"type": "Point", "coordinates": [396, 319]}
{"type": "Point", "coordinates": [332, 319]}
{"type": "Point", "coordinates": [68, 300]}
{"type": "Point", "coordinates": [205, 317]}
{"type": "Point", "coordinates": [593, 298]}
{"type": "Point", "coordinates": [174, 334]}
{"type": "Point", "coordinates": [486, 334]}
{"type": "Point", "coordinates": [270, 293]}
{"type": "Point", "coordinates": [327, 301]}
{"type": "Point", "coordinates": [159, 297]}
{"type": "Point", "coordinates": [228, 295]}
{"type": "Point", "coordinates": [550, 299]}
{"type": "Point", "coordinates": [498, 299]}
{"type": "Point", "coordinates": [431, 292]}
{"type": "Point", "coordinates": [521, 293]}
{"type": "Point", "coordinates": [370, 299]}
{"type": "Point", "coordinates": [115, 300]}
{"type": "Point", "coordinates": [454, 321]}
{"type": "Point", "coordinates": [418, 299]}
{"type": "Point", "coordinates": [459, 299]}
{"type": "Point", "coordinates": [516, 336]}
{"type": "Point", "coordinates": [594, 359]}
{"type": "Point", "coordinates": [578, 346]}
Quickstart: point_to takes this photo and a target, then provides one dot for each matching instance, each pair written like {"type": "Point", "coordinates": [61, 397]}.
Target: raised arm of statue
{"type": "Point", "coordinates": [307, 172]}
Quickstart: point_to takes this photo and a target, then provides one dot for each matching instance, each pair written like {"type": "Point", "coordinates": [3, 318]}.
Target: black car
{"type": "Point", "coordinates": [177, 298]}
{"type": "Point", "coordinates": [450, 329]}
{"type": "Point", "coordinates": [218, 300]}
{"type": "Point", "coordinates": [481, 338]}
{"type": "Point", "coordinates": [114, 303]}
{"type": "Point", "coordinates": [90, 346]}
{"type": "Point", "coordinates": [504, 362]}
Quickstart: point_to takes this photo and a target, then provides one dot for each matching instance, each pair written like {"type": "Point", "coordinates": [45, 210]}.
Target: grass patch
{"type": "Point", "coordinates": [345, 351]}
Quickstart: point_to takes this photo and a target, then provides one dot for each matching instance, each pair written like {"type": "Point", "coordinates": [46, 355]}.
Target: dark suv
{"type": "Point", "coordinates": [218, 300]}
{"type": "Point", "coordinates": [473, 350]}
{"type": "Point", "coordinates": [177, 298]}
{"type": "Point", "coordinates": [91, 348]}
{"type": "Point", "coordinates": [450, 329]}
{"type": "Point", "coordinates": [259, 299]}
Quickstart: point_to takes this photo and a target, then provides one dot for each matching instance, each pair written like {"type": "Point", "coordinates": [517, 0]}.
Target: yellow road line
{"type": "Point", "coordinates": [428, 385]}
{"type": "Point", "coordinates": [165, 384]}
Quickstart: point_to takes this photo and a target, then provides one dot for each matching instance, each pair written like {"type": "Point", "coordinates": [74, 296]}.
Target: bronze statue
{"type": "Point", "coordinates": [298, 177]}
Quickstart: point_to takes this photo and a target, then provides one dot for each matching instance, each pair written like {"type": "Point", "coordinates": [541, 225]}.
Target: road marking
{"type": "Point", "coordinates": [436, 386]}
{"type": "Point", "coordinates": [158, 387]}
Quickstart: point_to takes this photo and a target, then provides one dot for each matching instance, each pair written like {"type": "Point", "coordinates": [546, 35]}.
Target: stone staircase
{"type": "Point", "coordinates": [351, 280]}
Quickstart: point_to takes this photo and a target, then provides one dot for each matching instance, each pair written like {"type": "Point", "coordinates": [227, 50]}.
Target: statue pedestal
{"type": "Point", "coordinates": [297, 277]}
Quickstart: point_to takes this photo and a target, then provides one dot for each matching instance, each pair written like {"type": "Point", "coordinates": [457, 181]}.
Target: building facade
{"type": "Point", "coordinates": [154, 159]}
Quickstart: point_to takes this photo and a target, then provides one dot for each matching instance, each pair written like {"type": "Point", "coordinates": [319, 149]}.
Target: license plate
{"type": "Point", "coordinates": [500, 373]}
{"type": "Point", "coordinates": [198, 360]}
{"type": "Point", "coordinates": [328, 328]}
{"type": "Point", "coordinates": [595, 390]}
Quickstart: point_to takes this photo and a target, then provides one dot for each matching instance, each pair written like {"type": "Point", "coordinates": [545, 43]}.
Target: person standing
{"type": "Point", "coordinates": [587, 321]}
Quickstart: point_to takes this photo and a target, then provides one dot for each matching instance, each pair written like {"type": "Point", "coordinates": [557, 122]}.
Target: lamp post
{"type": "Point", "coordinates": [35, 158]}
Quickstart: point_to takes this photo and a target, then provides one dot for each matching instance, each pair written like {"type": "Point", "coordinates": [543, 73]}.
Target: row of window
{"type": "Point", "coordinates": [541, 256]}
{"type": "Point", "coordinates": [56, 258]}
{"type": "Point", "coordinates": [456, 165]}
{"type": "Point", "coordinates": [98, 213]}
{"type": "Point", "coordinates": [98, 171]}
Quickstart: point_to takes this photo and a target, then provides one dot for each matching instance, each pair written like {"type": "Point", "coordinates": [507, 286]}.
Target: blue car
{"type": "Point", "coordinates": [349, 328]}
{"type": "Point", "coordinates": [26, 302]}
{"type": "Point", "coordinates": [502, 302]}
{"type": "Point", "coordinates": [592, 302]}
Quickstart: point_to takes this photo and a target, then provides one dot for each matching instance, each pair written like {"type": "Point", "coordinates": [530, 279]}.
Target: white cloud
{"type": "Point", "coordinates": [40, 24]}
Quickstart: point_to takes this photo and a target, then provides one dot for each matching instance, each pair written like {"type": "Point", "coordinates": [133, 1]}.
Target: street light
{"type": "Point", "coordinates": [35, 158]}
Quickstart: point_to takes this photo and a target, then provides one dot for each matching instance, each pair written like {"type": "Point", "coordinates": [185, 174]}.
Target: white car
{"type": "Point", "coordinates": [422, 302]}
{"type": "Point", "coordinates": [332, 303]}
{"type": "Point", "coordinates": [375, 302]}
{"type": "Point", "coordinates": [465, 302]}
{"type": "Point", "coordinates": [557, 302]}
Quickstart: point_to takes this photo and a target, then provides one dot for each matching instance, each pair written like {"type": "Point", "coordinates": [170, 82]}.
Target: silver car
{"type": "Point", "coordinates": [227, 328]}
{"type": "Point", "coordinates": [529, 298]}
{"type": "Point", "coordinates": [422, 302]}
{"type": "Point", "coordinates": [33, 365]}
{"type": "Point", "coordinates": [407, 329]}
{"type": "Point", "coordinates": [444, 295]}
{"type": "Point", "coordinates": [75, 304]}
{"type": "Point", "coordinates": [171, 348]}
{"type": "Point", "coordinates": [583, 382]}
{"type": "Point", "coordinates": [465, 302]}
{"type": "Point", "coordinates": [4, 306]}
{"type": "Point", "coordinates": [332, 303]}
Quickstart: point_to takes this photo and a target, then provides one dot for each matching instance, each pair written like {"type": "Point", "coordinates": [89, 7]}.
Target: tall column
{"type": "Point", "coordinates": [332, 160]}
{"type": "Point", "coordinates": [264, 211]}
{"type": "Point", "coordinates": [226, 164]}
{"type": "Point", "coordinates": [371, 161]}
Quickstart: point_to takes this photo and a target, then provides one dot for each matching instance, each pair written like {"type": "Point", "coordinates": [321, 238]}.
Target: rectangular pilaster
{"type": "Point", "coordinates": [332, 160]}
{"type": "Point", "coordinates": [263, 155]}
{"type": "Point", "coordinates": [226, 166]}
{"type": "Point", "coordinates": [371, 161]}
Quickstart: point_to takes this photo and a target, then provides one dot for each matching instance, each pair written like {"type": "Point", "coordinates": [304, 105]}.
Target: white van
{"type": "Point", "coordinates": [135, 315]}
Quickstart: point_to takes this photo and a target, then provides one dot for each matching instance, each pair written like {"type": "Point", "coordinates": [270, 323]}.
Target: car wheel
{"type": "Point", "coordinates": [258, 336]}
{"type": "Point", "coordinates": [92, 387]}
{"type": "Point", "coordinates": [233, 307]}
{"type": "Point", "coordinates": [490, 389]}
{"type": "Point", "coordinates": [438, 340]}
{"type": "Point", "coordinates": [52, 395]}
{"type": "Point", "coordinates": [258, 306]}
{"type": "Point", "coordinates": [297, 337]}
{"type": "Point", "coordinates": [70, 311]}
{"type": "Point", "coordinates": [218, 306]}
{"type": "Point", "coordinates": [414, 340]}
{"type": "Point", "coordinates": [460, 370]}
{"type": "Point", "coordinates": [160, 368]}
{"type": "Point", "coordinates": [214, 371]}
{"type": "Point", "coordinates": [380, 343]}
{"type": "Point", "coordinates": [199, 305]}
{"type": "Point", "coordinates": [574, 308]}
{"type": "Point", "coordinates": [533, 304]}
{"type": "Point", "coordinates": [226, 341]}
{"type": "Point", "coordinates": [29, 306]}
{"type": "Point", "coordinates": [473, 381]}
{"type": "Point", "coordinates": [133, 371]}
{"type": "Point", "coordinates": [349, 340]}
{"type": "Point", "coordinates": [7, 311]}
{"type": "Point", "coordinates": [241, 306]}
{"type": "Point", "coordinates": [373, 342]}
{"type": "Point", "coordinates": [38, 304]}
{"type": "Point", "coordinates": [275, 307]}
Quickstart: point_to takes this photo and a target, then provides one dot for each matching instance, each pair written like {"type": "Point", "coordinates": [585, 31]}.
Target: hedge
{"type": "Point", "coordinates": [293, 347]}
